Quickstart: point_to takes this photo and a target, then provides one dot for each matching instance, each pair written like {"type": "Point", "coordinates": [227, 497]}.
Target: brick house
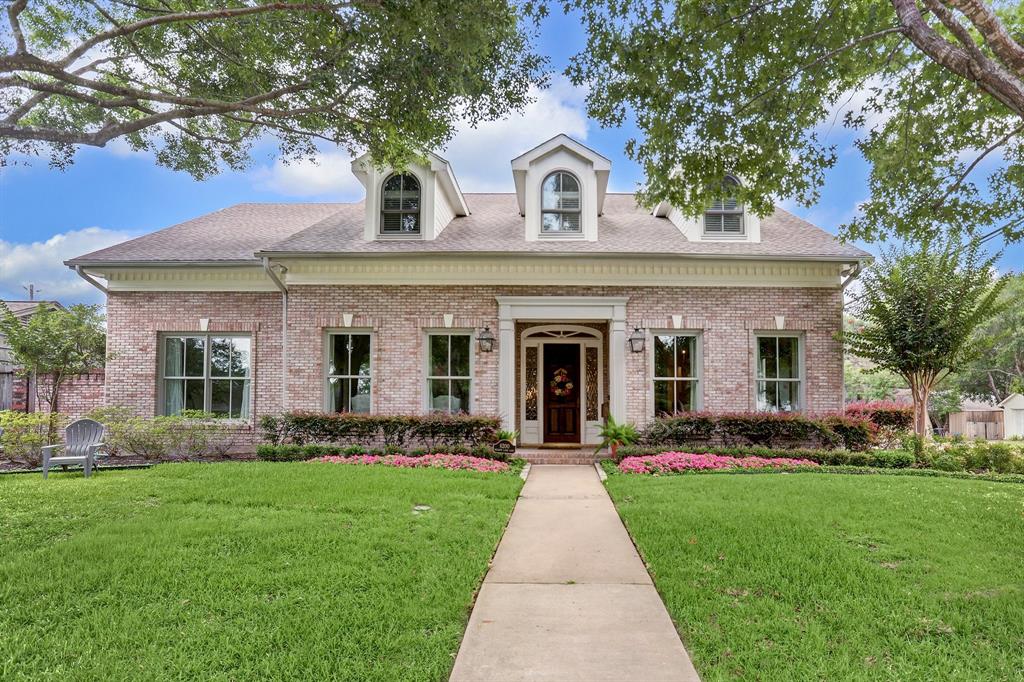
{"type": "Point", "coordinates": [552, 306]}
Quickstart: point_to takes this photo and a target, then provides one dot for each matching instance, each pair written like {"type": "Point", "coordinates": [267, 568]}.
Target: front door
{"type": "Point", "coordinates": [561, 393]}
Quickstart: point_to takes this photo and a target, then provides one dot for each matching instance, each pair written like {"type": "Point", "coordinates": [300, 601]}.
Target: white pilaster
{"type": "Point", "coordinates": [506, 369]}
{"type": "Point", "coordinates": [617, 364]}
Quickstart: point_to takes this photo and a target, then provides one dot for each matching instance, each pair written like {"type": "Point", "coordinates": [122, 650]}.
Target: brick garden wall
{"type": "Point", "coordinates": [79, 395]}
{"type": "Point", "coordinates": [399, 318]}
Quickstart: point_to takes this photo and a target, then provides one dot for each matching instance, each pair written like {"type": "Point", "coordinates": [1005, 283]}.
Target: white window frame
{"type": "Point", "coordinates": [428, 377]}
{"type": "Point", "coordinates": [698, 363]}
{"type": "Point", "coordinates": [800, 379]}
{"type": "Point", "coordinates": [562, 234]}
{"type": "Point", "coordinates": [418, 234]}
{"type": "Point", "coordinates": [328, 393]}
{"type": "Point", "coordinates": [207, 378]}
{"type": "Point", "coordinates": [717, 209]}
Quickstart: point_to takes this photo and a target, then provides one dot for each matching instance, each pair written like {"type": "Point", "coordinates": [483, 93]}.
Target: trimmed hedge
{"type": "Point", "coordinates": [763, 429]}
{"type": "Point", "coordinates": [290, 452]}
{"type": "Point", "coordinates": [883, 413]}
{"type": "Point", "coordinates": [435, 432]}
{"type": "Point", "coordinates": [884, 459]}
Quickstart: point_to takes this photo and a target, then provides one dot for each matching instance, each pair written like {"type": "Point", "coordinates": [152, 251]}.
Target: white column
{"type": "Point", "coordinates": [506, 370]}
{"type": "Point", "coordinates": [617, 361]}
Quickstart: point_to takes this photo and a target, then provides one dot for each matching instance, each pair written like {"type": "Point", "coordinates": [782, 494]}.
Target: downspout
{"type": "Point", "coordinates": [269, 269]}
{"type": "Point", "coordinates": [90, 279]}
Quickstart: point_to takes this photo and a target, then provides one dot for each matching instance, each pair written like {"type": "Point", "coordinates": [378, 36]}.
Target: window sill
{"type": "Point", "coordinates": [400, 237]}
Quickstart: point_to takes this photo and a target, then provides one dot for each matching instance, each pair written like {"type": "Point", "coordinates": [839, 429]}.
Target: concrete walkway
{"type": "Point", "coordinates": [568, 597]}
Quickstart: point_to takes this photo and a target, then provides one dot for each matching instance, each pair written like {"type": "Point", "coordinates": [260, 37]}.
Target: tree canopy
{"type": "Point", "coordinates": [932, 88]}
{"type": "Point", "coordinates": [199, 82]}
{"type": "Point", "coordinates": [920, 308]}
{"type": "Point", "coordinates": [998, 368]}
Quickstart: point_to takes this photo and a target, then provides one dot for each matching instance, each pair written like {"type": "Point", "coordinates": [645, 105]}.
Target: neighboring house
{"type": "Point", "coordinates": [17, 392]}
{"type": "Point", "coordinates": [552, 306]}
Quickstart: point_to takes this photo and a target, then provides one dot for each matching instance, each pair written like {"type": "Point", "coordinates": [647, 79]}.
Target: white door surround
{"type": "Point", "coordinates": [537, 338]}
{"type": "Point", "coordinates": [560, 310]}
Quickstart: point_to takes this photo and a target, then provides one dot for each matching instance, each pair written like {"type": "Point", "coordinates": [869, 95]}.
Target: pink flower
{"type": "Point", "coordinates": [436, 461]}
{"type": "Point", "coordinates": [673, 462]}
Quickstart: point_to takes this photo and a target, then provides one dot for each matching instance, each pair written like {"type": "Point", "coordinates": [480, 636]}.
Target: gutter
{"type": "Point", "coordinates": [80, 271]}
{"type": "Point", "coordinates": [269, 269]}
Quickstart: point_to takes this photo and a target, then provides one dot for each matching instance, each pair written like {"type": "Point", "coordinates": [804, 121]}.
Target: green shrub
{"type": "Point", "coordinates": [763, 429]}
{"type": "Point", "coordinates": [434, 431]}
{"type": "Point", "coordinates": [24, 435]}
{"type": "Point", "coordinates": [281, 453]}
{"type": "Point", "coordinates": [948, 462]}
{"type": "Point", "coordinates": [189, 435]}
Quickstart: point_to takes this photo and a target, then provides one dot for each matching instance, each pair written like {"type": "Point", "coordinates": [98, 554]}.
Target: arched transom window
{"type": "Point", "coordinates": [400, 205]}
{"type": "Point", "coordinates": [560, 204]}
{"type": "Point", "coordinates": [724, 217]}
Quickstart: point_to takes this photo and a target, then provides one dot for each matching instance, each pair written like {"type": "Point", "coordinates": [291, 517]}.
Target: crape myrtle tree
{"type": "Point", "coordinates": [920, 308]}
{"type": "Point", "coordinates": [53, 345]}
{"type": "Point", "coordinates": [932, 89]}
{"type": "Point", "coordinates": [199, 82]}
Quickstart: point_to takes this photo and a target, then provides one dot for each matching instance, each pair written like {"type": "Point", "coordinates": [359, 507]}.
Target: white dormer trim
{"type": "Point", "coordinates": [692, 227]}
{"type": "Point", "coordinates": [441, 199]}
{"type": "Point", "coordinates": [561, 153]}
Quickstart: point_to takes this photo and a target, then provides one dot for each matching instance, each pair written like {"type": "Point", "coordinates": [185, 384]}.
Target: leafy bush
{"type": "Point", "coordinates": [435, 431]}
{"type": "Point", "coordinates": [883, 413]}
{"type": "Point", "coordinates": [24, 433]}
{"type": "Point", "coordinates": [763, 429]}
{"type": "Point", "coordinates": [292, 452]}
{"type": "Point", "coordinates": [190, 435]}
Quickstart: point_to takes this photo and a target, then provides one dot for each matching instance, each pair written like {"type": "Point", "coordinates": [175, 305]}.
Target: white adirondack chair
{"type": "Point", "coordinates": [82, 438]}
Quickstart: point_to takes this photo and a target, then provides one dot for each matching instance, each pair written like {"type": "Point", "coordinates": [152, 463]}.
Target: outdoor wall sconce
{"type": "Point", "coordinates": [486, 340]}
{"type": "Point", "coordinates": [636, 340]}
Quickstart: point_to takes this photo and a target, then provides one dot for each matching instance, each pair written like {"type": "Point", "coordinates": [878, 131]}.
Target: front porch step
{"type": "Point", "coordinates": [559, 456]}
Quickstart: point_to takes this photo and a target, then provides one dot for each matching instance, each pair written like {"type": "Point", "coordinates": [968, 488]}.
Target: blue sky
{"type": "Point", "coordinates": [112, 194]}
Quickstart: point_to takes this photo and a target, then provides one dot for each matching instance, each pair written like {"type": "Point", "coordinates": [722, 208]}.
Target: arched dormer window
{"type": "Point", "coordinates": [724, 217]}
{"type": "Point", "coordinates": [560, 204]}
{"type": "Point", "coordinates": [400, 205]}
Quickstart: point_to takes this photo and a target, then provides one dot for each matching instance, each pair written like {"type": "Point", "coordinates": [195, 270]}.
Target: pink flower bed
{"type": "Point", "coordinates": [674, 462]}
{"type": "Point", "coordinates": [436, 461]}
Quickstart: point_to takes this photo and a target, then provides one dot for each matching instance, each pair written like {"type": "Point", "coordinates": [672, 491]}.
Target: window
{"type": "Point", "coordinates": [208, 373]}
{"type": "Point", "coordinates": [400, 205]}
{"type": "Point", "coordinates": [724, 217]}
{"type": "Point", "coordinates": [675, 373]}
{"type": "Point", "coordinates": [448, 373]}
{"type": "Point", "coordinates": [560, 204]}
{"type": "Point", "coordinates": [778, 373]}
{"type": "Point", "coordinates": [348, 373]}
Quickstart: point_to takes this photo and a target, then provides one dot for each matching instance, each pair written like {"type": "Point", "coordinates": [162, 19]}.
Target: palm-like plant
{"type": "Point", "coordinates": [613, 434]}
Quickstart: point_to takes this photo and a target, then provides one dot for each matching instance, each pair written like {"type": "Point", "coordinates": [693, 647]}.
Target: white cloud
{"type": "Point", "coordinates": [42, 264]}
{"type": "Point", "coordinates": [328, 174]}
{"type": "Point", "coordinates": [481, 155]}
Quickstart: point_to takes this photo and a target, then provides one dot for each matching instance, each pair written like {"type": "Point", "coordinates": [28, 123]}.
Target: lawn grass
{"type": "Point", "coordinates": [833, 577]}
{"type": "Point", "coordinates": [243, 571]}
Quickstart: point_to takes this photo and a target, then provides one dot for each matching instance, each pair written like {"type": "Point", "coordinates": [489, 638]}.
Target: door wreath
{"type": "Point", "coordinates": [561, 385]}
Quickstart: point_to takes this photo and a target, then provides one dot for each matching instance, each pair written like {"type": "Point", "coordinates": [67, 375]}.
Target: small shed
{"type": "Point", "coordinates": [985, 424]}
{"type": "Point", "coordinates": [1013, 416]}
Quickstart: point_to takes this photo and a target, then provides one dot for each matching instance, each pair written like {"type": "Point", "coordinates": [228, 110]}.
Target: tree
{"type": "Point", "coordinates": [55, 344]}
{"type": "Point", "coordinates": [998, 369]}
{"type": "Point", "coordinates": [199, 82]}
{"type": "Point", "coordinates": [753, 88]}
{"type": "Point", "coordinates": [868, 384]}
{"type": "Point", "coordinates": [920, 307]}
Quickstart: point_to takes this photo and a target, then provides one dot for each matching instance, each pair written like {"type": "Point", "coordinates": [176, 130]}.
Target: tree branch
{"type": "Point", "coordinates": [1003, 45]}
{"type": "Point", "coordinates": [16, 8]}
{"type": "Point", "coordinates": [990, 77]}
{"type": "Point", "coordinates": [988, 150]}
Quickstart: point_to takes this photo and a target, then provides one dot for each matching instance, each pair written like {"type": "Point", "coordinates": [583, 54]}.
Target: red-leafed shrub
{"type": "Point", "coordinates": [762, 429]}
{"type": "Point", "coordinates": [883, 413]}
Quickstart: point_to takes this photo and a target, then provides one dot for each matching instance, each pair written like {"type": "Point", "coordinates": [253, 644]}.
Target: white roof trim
{"type": "Point", "coordinates": [602, 166]}
{"type": "Point", "coordinates": [1015, 398]}
{"type": "Point", "coordinates": [438, 165]}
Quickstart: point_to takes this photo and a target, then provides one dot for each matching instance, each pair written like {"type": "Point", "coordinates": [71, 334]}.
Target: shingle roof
{"type": "Point", "coordinates": [494, 226]}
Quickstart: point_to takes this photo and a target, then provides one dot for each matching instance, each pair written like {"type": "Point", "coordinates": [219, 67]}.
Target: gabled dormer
{"type": "Point", "coordinates": [560, 186]}
{"type": "Point", "coordinates": [415, 203]}
{"type": "Point", "coordinates": [724, 219]}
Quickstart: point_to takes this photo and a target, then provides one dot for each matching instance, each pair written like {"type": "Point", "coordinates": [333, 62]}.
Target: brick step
{"type": "Point", "coordinates": [555, 456]}
{"type": "Point", "coordinates": [534, 459]}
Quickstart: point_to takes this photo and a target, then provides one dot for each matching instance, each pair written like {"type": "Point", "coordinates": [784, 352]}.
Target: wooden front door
{"type": "Point", "coordinates": [562, 393]}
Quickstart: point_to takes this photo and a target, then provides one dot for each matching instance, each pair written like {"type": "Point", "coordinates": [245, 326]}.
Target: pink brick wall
{"type": "Point", "coordinates": [79, 395]}
{"type": "Point", "coordinates": [399, 317]}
